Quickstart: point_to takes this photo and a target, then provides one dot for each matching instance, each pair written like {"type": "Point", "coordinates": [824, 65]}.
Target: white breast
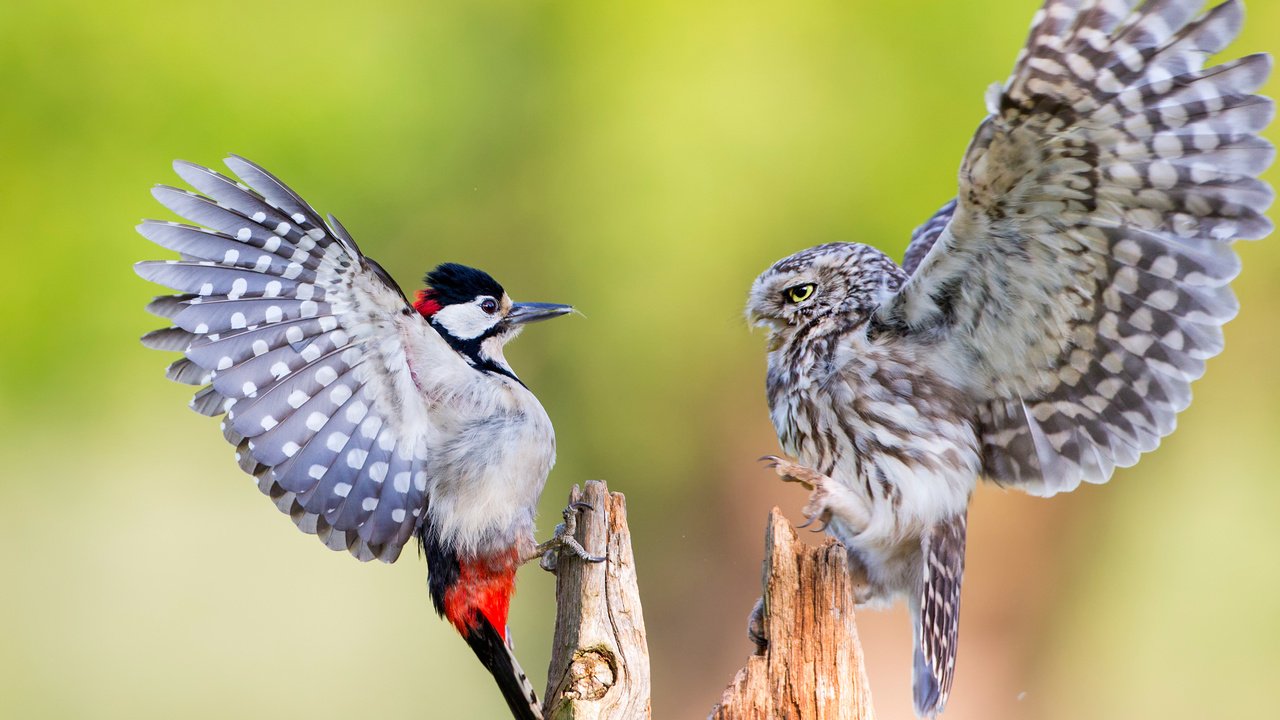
{"type": "Point", "coordinates": [489, 469]}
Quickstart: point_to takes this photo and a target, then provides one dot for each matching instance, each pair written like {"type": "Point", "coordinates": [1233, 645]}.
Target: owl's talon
{"type": "Point", "coordinates": [823, 517]}
{"type": "Point", "coordinates": [818, 509]}
{"type": "Point", "coordinates": [792, 471]}
{"type": "Point", "coordinates": [755, 628]}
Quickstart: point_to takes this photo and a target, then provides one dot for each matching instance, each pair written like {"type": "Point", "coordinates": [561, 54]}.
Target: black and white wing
{"type": "Point", "coordinates": [1082, 276]}
{"type": "Point", "coordinates": [306, 345]}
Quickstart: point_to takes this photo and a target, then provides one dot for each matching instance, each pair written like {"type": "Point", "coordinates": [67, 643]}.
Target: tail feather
{"type": "Point", "coordinates": [926, 691]}
{"type": "Point", "coordinates": [936, 616]}
{"type": "Point", "coordinates": [495, 654]}
{"type": "Point", "coordinates": [474, 593]}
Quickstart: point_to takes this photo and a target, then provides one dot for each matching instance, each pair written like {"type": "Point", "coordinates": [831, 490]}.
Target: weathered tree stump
{"type": "Point", "coordinates": [600, 655]}
{"type": "Point", "coordinates": [809, 665]}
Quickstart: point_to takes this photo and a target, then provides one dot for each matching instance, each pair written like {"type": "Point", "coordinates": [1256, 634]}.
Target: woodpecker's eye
{"type": "Point", "coordinates": [489, 305]}
{"type": "Point", "coordinates": [799, 293]}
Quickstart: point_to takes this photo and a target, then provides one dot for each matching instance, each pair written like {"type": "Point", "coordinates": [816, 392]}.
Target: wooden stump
{"type": "Point", "coordinates": [600, 655]}
{"type": "Point", "coordinates": [810, 665]}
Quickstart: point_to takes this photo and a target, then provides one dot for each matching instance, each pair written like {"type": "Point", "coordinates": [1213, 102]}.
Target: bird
{"type": "Point", "coordinates": [1046, 324]}
{"type": "Point", "coordinates": [369, 418]}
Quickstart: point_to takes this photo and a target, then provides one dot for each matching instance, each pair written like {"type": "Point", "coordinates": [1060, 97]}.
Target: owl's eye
{"type": "Point", "coordinates": [799, 293]}
{"type": "Point", "coordinates": [489, 305]}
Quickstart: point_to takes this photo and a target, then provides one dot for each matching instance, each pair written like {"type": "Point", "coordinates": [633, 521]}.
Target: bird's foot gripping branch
{"type": "Point", "coordinates": [565, 539]}
{"type": "Point", "coordinates": [600, 656]}
{"type": "Point", "coordinates": [808, 663]}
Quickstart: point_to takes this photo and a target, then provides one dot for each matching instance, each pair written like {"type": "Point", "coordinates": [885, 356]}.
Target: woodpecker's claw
{"type": "Point", "coordinates": [563, 538]}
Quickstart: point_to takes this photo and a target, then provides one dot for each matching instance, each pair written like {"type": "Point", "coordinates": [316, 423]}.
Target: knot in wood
{"type": "Point", "coordinates": [591, 674]}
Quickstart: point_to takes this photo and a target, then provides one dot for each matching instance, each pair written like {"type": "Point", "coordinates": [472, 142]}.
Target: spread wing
{"type": "Point", "coordinates": [924, 237]}
{"type": "Point", "coordinates": [1081, 279]}
{"type": "Point", "coordinates": [307, 346]}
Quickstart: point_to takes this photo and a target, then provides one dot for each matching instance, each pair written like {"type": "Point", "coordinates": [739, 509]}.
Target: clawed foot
{"type": "Point", "coordinates": [818, 508]}
{"type": "Point", "coordinates": [547, 552]}
{"type": "Point", "coordinates": [755, 628]}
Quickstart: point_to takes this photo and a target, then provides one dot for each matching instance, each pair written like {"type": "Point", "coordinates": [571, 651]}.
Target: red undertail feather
{"type": "Point", "coordinates": [483, 589]}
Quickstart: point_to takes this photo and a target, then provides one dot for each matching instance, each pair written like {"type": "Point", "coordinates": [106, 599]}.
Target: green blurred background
{"type": "Point", "coordinates": [640, 160]}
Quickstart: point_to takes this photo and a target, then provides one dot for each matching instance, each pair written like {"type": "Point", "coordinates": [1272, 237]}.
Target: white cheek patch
{"type": "Point", "coordinates": [465, 321]}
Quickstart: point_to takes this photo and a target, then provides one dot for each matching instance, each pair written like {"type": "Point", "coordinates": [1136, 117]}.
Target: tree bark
{"type": "Point", "coordinates": [600, 655]}
{"type": "Point", "coordinates": [808, 665]}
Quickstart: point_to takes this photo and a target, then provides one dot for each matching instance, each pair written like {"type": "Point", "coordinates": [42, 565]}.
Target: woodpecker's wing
{"type": "Point", "coordinates": [1081, 279]}
{"type": "Point", "coordinates": [307, 346]}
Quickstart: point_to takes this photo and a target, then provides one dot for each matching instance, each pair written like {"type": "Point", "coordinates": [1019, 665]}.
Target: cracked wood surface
{"type": "Point", "coordinates": [809, 665]}
{"type": "Point", "coordinates": [599, 666]}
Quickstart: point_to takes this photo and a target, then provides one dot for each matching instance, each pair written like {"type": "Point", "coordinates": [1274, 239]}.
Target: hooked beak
{"type": "Point", "coordinates": [522, 313]}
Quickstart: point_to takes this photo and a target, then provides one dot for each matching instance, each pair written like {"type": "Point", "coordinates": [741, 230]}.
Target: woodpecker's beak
{"type": "Point", "coordinates": [522, 313]}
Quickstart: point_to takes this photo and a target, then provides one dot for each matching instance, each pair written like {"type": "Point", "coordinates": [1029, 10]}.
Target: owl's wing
{"type": "Point", "coordinates": [323, 369]}
{"type": "Point", "coordinates": [924, 237]}
{"type": "Point", "coordinates": [1081, 279]}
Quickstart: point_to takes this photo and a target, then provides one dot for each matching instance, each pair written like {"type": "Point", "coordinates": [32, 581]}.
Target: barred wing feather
{"type": "Point", "coordinates": [1081, 278]}
{"type": "Point", "coordinates": [924, 237]}
{"type": "Point", "coordinates": [306, 346]}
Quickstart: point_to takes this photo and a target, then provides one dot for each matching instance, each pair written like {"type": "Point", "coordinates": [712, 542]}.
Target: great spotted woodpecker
{"type": "Point", "coordinates": [368, 418]}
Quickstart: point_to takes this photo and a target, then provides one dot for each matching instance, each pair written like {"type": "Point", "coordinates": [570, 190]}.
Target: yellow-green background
{"type": "Point", "coordinates": [642, 160]}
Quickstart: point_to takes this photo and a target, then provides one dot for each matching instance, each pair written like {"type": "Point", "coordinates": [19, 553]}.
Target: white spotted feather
{"type": "Point", "coordinates": [334, 388]}
{"type": "Point", "coordinates": [1082, 277]}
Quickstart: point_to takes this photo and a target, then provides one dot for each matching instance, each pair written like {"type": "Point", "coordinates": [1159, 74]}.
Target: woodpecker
{"type": "Point", "coordinates": [1046, 324]}
{"type": "Point", "coordinates": [368, 418]}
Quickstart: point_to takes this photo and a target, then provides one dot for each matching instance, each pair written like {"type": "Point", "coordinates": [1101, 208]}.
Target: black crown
{"type": "Point", "coordinates": [452, 283]}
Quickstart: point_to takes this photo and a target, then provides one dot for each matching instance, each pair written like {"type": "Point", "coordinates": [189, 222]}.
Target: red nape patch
{"type": "Point", "coordinates": [484, 588]}
{"type": "Point", "coordinates": [426, 304]}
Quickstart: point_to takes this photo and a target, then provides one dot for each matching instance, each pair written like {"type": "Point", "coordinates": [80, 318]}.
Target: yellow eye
{"type": "Point", "coordinates": [799, 293]}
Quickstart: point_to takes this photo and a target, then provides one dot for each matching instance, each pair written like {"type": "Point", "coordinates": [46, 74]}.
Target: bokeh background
{"type": "Point", "coordinates": [644, 161]}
